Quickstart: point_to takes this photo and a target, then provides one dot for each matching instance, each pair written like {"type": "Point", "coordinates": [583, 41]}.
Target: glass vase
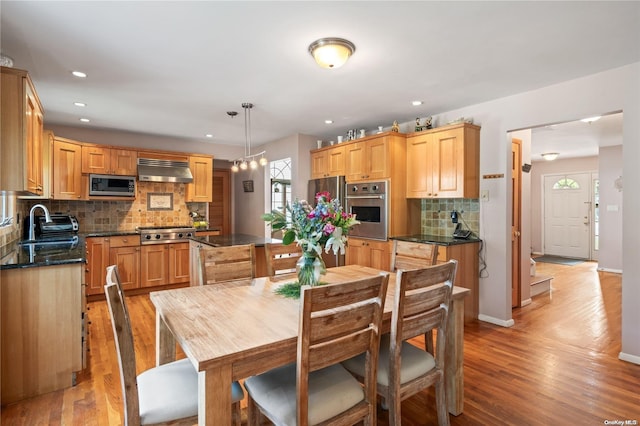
{"type": "Point", "coordinates": [310, 267]}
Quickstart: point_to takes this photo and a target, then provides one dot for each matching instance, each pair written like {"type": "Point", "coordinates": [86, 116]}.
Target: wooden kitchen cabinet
{"type": "Point", "coordinates": [21, 132]}
{"type": "Point", "coordinates": [162, 264]}
{"type": "Point", "coordinates": [444, 162]}
{"type": "Point", "coordinates": [328, 161]}
{"type": "Point", "coordinates": [42, 329]}
{"type": "Point", "coordinates": [97, 261]}
{"type": "Point", "coordinates": [67, 170]}
{"type": "Point", "coordinates": [109, 161]}
{"type": "Point", "coordinates": [466, 275]}
{"type": "Point", "coordinates": [375, 157]}
{"type": "Point", "coordinates": [201, 189]}
{"type": "Point", "coordinates": [124, 252]}
{"type": "Point", "coordinates": [372, 253]}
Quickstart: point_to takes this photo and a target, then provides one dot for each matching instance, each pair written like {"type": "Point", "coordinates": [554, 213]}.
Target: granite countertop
{"type": "Point", "coordinates": [108, 234]}
{"type": "Point", "coordinates": [436, 239]}
{"type": "Point", "coordinates": [234, 240]}
{"type": "Point", "coordinates": [16, 256]}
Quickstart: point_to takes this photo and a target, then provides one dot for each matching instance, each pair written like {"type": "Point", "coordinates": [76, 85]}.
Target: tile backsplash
{"type": "Point", "coordinates": [436, 215]}
{"type": "Point", "coordinates": [104, 216]}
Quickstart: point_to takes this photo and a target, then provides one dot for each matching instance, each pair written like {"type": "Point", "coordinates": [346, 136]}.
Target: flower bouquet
{"type": "Point", "coordinates": [314, 229]}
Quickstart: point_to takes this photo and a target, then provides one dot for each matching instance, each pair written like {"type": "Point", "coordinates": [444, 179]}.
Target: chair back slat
{"type": "Point", "coordinates": [409, 255]}
{"type": "Point", "coordinates": [222, 264]}
{"type": "Point", "coordinates": [281, 258]}
{"type": "Point", "coordinates": [123, 338]}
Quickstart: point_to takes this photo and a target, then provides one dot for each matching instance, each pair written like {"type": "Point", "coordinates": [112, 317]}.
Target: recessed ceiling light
{"type": "Point", "coordinates": [416, 103]}
{"type": "Point", "coordinates": [328, 121]}
{"type": "Point", "coordinates": [208, 135]}
{"type": "Point", "coordinates": [591, 119]}
{"type": "Point", "coordinates": [80, 104]}
{"type": "Point", "coordinates": [79, 74]}
{"type": "Point", "coordinates": [85, 120]}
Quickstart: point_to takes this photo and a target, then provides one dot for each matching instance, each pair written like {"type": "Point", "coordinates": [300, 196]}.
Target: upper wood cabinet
{"type": "Point", "coordinates": [21, 131]}
{"type": "Point", "coordinates": [444, 162]}
{"type": "Point", "coordinates": [375, 157]}
{"type": "Point", "coordinates": [201, 189]}
{"type": "Point", "coordinates": [329, 161]}
{"type": "Point", "coordinates": [67, 170]}
{"type": "Point", "coordinates": [109, 161]}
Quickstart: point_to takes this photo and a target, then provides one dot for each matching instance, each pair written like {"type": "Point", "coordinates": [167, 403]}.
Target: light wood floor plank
{"type": "Point", "coordinates": [559, 362]}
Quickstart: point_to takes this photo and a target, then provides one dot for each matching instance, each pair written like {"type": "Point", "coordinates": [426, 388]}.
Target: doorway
{"type": "Point", "coordinates": [220, 207]}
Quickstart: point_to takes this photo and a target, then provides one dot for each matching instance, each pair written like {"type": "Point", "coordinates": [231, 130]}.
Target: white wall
{"type": "Point", "coordinates": [610, 253]}
{"type": "Point", "coordinates": [605, 92]}
{"type": "Point", "coordinates": [538, 170]}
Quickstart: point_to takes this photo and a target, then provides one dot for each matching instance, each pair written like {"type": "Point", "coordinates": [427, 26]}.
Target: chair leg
{"type": "Point", "coordinates": [395, 417]}
{"type": "Point", "coordinates": [441, 403]}
{"type": "Point", "coordinates": [253, 412]}
{"type": "Point", "coordinates": [235, 412]}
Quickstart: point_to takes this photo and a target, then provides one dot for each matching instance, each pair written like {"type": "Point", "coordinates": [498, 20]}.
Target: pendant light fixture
{"type": "Point", "coordinates": [248, 161]}
{"type": "Point", "coordinates": [331, 52]}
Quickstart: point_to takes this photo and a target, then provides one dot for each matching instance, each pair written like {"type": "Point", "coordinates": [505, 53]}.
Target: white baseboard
{"type": "Point", "coordinates": [614, 271]}
{"type": "Point", "coordinates": [525, 302]}
{"type": "Point", "coordinates": [496, 321]}
{"type": "Point", "coordinates": [629, 358]}
{"type": "Point", "coordinates": [537, 253]}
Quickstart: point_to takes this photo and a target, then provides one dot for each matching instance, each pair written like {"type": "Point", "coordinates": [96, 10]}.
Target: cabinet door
{"type": "Point", "coordinates": [128, 261]}
{"type": "Point", "coordinates": [34, 141]}
{"type": "Point", "coordinates": [357, 252]}
{"type": "Point", "coordinates": [377, 158]}
{"type": "Point", "coordinates": [418, 172]}
{"type": "Point", "coordinates": [319, 164]}
{"type": "Point", "coordinates": [448, 179]}
{"type": "Point", "coordinates": [124, 162]}
{"type": "Point", "coordinates": [336, 161]}
{"type": "Point", "coordinates": [96, 160]}
{"type": "Point", "coordinates": [154, 265]}
{"type": "Point", "coordinates": [67, 171]}
{"type": "Point", "coordinates": [97, 262]}
{"type": "Point", "coordinates": [356, 161]}
{"type": "Point", "coordinates": [201, 189]}
{"type": "Point", "coordinates": [379, 255]}
{"type": "Point", "coordinates": [178, 263]}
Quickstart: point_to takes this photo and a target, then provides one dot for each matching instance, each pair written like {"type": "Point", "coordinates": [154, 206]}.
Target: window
{"type": "Point", "coordinates": [566, 183]}
{"type": "Point", "coordinates": [280, 187]}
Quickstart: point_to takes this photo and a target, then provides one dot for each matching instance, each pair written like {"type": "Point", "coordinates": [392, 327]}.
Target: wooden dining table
{"type": "Point", "coordinates": [234, 331]}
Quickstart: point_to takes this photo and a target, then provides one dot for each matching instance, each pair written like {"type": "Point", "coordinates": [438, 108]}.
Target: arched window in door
{"type": "Point", "coordinates": [566, 183]}
{"type": "Point", "coordinates": [280, 183]}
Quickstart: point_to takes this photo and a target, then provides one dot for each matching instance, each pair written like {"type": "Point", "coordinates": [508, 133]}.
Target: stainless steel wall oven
{"type": "Point", "coordinates": [369, 201]}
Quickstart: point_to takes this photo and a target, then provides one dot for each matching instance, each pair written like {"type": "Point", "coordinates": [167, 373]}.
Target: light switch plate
{"type": "Point", "coordinates": [484, 195]}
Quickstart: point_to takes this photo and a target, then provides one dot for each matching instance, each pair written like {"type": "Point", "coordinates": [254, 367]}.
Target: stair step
{"type": "Point", "coordinates": [540, 284]}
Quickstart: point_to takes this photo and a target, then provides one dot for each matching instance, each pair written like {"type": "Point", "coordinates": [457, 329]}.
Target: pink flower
{"type": "Point", "coordinates": [323, 195]}
{"type": "Point", "coordinates": [328, 229]}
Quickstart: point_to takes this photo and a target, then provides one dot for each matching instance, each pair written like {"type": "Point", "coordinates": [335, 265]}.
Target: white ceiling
{"type": "Point", "coordinates": [176, 68]}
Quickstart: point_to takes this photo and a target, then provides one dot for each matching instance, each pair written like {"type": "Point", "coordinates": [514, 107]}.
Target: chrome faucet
{"type": "Point", "coordinates": [32, 224]}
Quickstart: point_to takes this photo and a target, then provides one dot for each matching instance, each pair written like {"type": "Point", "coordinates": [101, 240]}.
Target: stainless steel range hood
{"type": "Point", "coordinates": [150, 170]}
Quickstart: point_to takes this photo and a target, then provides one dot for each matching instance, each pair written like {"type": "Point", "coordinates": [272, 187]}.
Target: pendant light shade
{"type": "Point", "coordinates": [331, 52]}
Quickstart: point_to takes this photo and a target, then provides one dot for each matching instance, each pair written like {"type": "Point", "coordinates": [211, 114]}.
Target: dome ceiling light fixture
{"type": "Point", "coordinates": [331, 52]}
{"type": "Point", "coordinates": [249, 160]}
{"type": "Point", "coordinates": [550, 156]}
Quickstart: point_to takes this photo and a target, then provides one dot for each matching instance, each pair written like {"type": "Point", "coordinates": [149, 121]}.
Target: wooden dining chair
{"type": "Point", "coordinates": [164, 394]}
{"type": "Point", "coordinates": [281, 258]}
{"type": "Point", "coordinates": [227, 263]}
{"type": "Point", "coordinates": [336, 322]}
{"type": "Point", "coordinates": [409, 255]}
{"type": "Point", "coordinates": [421, 303]}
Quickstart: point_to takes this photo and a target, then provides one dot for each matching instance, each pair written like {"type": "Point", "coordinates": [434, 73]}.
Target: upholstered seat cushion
{"type": "Point", "coordinates": [170, 392]}
{"type": "Point", "coordinates": [414, 362]}
{"type": "Point", "coordinates": [332, 390]}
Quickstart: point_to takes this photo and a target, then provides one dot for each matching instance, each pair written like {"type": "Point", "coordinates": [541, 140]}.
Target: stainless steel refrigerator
{"type": "Point", "coordinates": [336, 187]}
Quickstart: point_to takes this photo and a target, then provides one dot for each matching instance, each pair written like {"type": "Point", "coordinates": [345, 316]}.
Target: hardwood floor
{"type": "Point", "coordinates": [559, 362]}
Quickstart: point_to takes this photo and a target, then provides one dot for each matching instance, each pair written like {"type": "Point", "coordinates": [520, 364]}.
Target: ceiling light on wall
{"type": "Point", "coordinates": [249, 160]}
{"type": "Point", "coordinates": [591, 119]}
{"type": "Point", "coordinates": [331, 52]}
{"type": "Point", "coordinates": [550, 156]}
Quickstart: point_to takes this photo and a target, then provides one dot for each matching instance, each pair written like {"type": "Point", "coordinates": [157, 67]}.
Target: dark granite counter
{"type": "Point", "coordinates": [108, 234]}
{"type": "Point", "coordinates": [16, 256]}
{"type": "Point", "coordinates": [234, 240]}
{"type": "Point", "coordinates": [436, 239]}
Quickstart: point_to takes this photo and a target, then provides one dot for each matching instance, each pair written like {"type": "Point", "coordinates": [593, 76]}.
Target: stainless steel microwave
{"type": "Point", "coordinates": [112, 186]}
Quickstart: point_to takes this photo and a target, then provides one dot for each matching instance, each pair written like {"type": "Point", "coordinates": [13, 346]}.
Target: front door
{"type": "Point", "coordinates": [516, 175]}
{"type": "Point", "coordinates": [567, 211]}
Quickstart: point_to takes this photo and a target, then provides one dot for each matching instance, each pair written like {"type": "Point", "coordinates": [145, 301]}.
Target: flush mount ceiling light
{"type": "Point", "coordinates": [550, 156]}
{"type": "Point", "coordinates": [331, 52]}
{"type": "Point", "coordinates": [249, 160]}
{"type": "Point", "coordinates": [591, 119]}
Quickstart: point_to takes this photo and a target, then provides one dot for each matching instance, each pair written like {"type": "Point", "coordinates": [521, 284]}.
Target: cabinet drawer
{"type": "Point", "coordinates": [125, 241]}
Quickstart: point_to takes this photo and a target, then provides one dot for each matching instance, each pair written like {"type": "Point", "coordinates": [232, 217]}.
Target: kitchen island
{"type": "Point", "coordinates": [201, 242]}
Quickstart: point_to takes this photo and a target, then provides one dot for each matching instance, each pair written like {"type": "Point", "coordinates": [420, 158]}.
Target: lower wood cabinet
{"type": "Point", "coordinates": [138, 266]}
{"type": "Point", "coordinates": [467, 274]}
{"type": "Point", "coordinates": [372, 253]}
{"type": "Point", "coordinates": [42, 329]}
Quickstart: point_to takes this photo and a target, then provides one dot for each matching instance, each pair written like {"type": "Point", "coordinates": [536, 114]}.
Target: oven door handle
{"type": "Point", "coordinates": [365, 197]}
